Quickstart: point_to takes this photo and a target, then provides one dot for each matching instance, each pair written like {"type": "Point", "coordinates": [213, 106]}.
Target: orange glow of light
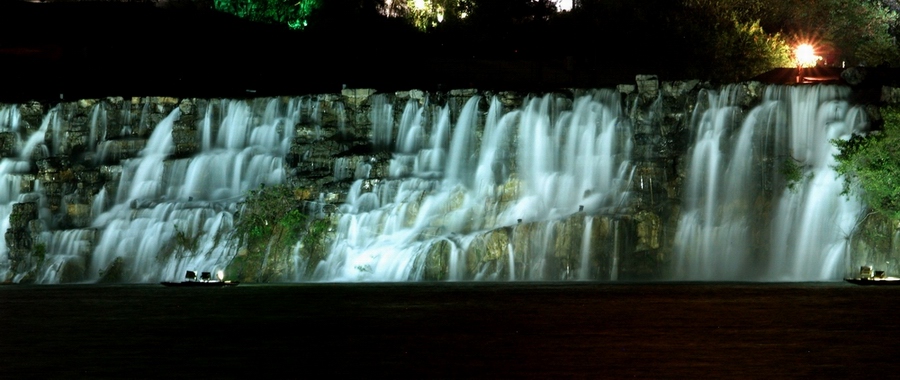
{"type": "Point", "coordinates": [805, 55]}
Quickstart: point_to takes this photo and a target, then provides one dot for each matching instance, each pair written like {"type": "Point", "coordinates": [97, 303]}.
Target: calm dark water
{"type": "Point", "coordinates": [457, 330]}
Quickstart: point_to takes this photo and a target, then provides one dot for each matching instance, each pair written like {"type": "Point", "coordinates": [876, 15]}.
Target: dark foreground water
{"type": "Point", "coordinates": [457, 330]}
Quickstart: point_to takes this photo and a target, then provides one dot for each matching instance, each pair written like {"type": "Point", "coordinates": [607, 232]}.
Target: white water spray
{"type": "Point", "coordinates": [725, 232]}
{"type": "Point", "coordinates": [172, 215]}
{"type": "Point", "coordinates": [448, 185]}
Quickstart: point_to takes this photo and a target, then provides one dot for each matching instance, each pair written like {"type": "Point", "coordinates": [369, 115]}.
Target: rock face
{"type": "Point", "coordinates": [890, 95]}
{"type": "Point", "coordinates": [20, 240]}
{"type": "Point", "coordinates": [347, 156]}
{"type": "Point", "coordinates": [854, 75]}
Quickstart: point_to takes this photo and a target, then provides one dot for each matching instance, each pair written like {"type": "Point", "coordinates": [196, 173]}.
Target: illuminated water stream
{"type": "Point", "coordinates": [474, 174]}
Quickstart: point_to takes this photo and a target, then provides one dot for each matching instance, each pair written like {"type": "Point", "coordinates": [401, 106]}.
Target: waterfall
{"type": "Point", "coordinates": [712, 244]}
{"type": "Point", "coordinates": [449, 188]}
{"type": "Point", "coordinates": [584, 273]}
{"type": "Point", "coordinates": [812, 224]}
{"type": "Point", "coordinates": [97, 125]}
{"type": "Point", "coordinates": [382, 116]}
{"type": "Point", "coordinates": [166, 214]}
{"type": "Point", "coordinates": [742, 220]}
{"type": "Point", "coordinates": [12, 171]}
{"type": "Point", "coordinates": [171, 214]}
{"type": "Point", "coordinates": [481, 187]}
{"type": "Point", "coordinates": [10, 118]}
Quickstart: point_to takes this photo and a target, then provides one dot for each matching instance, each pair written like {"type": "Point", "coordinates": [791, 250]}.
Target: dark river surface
{"type": "Point", "coordinates": [452, 330]}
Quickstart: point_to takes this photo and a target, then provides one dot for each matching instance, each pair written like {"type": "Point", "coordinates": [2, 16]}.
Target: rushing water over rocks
{"type": "Point", "coordinates": [673, 181]}
{"type": "Point", "coordinates": [733, 229]}
{"type": "Point", "coordinates": [157, 215]}
{"type": "Point", "coordinates": [456, 207]}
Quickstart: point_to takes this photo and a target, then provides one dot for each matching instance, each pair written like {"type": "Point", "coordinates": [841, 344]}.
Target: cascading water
{"type": "Point", "coordinates": [446, 188]}
{"type": "Point", "coordinates": [12, 170]}
{"type": "Point", "coordinates": [812, 225]}
{"type": "Point", "coordinates": [173, 215]}
{"type": "Point", "coordinates": [713, 244]}
{"type": "Point", "coordinates": [475, 189]}
{"type": "Point", "coordinates": [166, 215]}
{"type": "Point", "coordinates": [742, 221]}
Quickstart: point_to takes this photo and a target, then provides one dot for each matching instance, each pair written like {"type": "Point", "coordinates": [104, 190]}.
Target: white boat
{"type": "Point", "coordinates": [204, 281]}
{"type": "Point", "coordinates": [868, 277]}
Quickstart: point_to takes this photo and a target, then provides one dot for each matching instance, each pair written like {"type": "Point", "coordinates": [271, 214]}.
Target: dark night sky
{"type": "Point", "coordinates": [88, 49]}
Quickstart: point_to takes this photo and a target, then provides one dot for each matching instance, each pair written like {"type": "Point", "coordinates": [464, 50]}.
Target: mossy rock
{"type": "Point", "coordinates": [490, 246]}
{"type": "Point", "coordinates": [437, 261]}
{"type": "Point", "coordinates": [647, 230]}
{"type": "Point", "coordinates": [114, 273]}
{"type": "Point", "coordinates": [21, 214]}
{"type": "Point", "coordinates": [72, 270]}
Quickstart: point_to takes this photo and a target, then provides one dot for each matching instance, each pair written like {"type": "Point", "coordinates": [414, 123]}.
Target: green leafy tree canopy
{"type": "Point", "coordinates": [293, 13]}
{"type": "Point", "coordinates": [870, 165]}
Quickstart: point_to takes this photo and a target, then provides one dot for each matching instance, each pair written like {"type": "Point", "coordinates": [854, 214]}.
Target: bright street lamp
{"type": "Point", "coordinates": [805, 56]}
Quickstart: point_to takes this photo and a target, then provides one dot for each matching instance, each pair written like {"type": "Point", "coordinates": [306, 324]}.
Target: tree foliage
{"type": "Point", "coordinates": [723, 40]}
{"type": "Point", "coordinates": [267, 229]}
{"type": "Point", "coordinates": [855, 31]}
{"type": "Point", "coordinates": [870, 165]}
{"type": "Point", "coordinates": [428, 14]}
{"type": "Point", "coordinates": [268, 211]}
{"type": "Point", "coordinates": [268, 222]}
{"type": "Point", "coordinates": [741, 49]}
{"type": "Point", "coordinates": [292, 13]}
